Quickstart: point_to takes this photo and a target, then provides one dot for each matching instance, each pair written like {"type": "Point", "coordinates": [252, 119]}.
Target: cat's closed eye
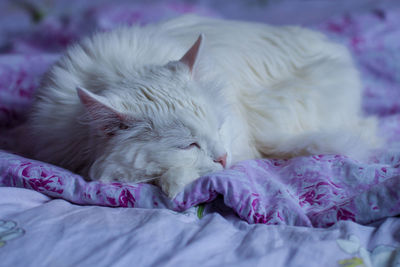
{"type": "Point", "coordinates": [192, 145]}
{"type": "Point", "coordinates": [123, 126]}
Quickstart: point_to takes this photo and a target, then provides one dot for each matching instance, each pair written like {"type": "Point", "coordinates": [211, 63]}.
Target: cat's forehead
{"type": "Point", "coordinates": [162, 90]}
{"type": "Point", "coordinates": [185, 128]}
{"type": "Point", "coordinates": [168, 92]}
{"type": "Point", "coordinates": [170, 77]}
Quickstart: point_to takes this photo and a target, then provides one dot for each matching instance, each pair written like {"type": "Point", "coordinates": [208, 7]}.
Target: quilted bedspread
{"type": "Point", "coordinates": [316, 191]}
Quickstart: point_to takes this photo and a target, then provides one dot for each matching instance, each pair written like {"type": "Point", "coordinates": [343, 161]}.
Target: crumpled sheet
{"type": "Point", "coordinates": [54, 232]}
{"type": "Point", "coordinates": [314, 191]}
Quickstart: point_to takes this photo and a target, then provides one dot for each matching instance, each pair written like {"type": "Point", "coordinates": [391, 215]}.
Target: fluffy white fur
{"type": "Point", "coordinates": [152, 104]}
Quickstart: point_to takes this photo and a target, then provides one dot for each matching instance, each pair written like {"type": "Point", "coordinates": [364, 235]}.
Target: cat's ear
{"type": "Point", "coordinates": [100, 114]}
{"type": "Point", "coordinates": [190, 58]}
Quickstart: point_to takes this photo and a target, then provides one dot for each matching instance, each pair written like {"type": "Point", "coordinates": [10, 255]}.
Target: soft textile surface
{"type": "Point", "coordinates": [306, 191]}
{"type": "Point", "coordinates": [38, 231]}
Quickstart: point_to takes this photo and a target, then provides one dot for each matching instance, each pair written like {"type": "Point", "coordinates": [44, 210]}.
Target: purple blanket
{"type": "Point", "coordinates": [314, 191]}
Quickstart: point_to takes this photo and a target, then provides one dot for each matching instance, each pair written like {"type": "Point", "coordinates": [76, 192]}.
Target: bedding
{"type": "Point", "coordinates": [327, 210]}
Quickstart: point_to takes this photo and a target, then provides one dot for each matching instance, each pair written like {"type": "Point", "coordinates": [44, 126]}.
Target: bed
{"type": "Point", "coordinates": [320, 210]}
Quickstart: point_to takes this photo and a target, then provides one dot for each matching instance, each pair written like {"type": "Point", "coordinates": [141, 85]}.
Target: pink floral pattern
{"type": "Point", "coordinates": [309, 191]}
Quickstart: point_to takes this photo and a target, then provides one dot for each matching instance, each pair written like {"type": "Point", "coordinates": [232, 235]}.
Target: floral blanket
{"type": "Point", "coordinates": [314, 191]}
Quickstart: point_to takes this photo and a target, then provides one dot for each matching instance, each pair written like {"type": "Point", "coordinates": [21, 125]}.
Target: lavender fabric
{"type": "Point", "coordinates": [314, 191]}
{"type": "Point", "coordinates": [57, 233]}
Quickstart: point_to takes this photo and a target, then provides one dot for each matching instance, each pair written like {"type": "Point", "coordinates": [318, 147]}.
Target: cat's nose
{"type": "Point", "coordinates": [222, 160]}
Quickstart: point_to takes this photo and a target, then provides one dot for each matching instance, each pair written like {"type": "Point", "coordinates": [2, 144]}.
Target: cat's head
{"type": "Point", "coordinates": [162, 126]}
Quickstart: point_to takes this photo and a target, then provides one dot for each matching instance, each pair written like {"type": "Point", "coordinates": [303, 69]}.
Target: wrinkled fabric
{"type": "Point", "coordinates": [38, 231]}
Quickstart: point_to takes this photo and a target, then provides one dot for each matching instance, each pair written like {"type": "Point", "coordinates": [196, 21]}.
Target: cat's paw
{"type": "Point", "coordinates": [174, 181]}
{"type": "Point", "coordinates": [171, 189]}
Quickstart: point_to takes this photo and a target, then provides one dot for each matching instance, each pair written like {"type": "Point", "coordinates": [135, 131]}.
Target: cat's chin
{"type": "Point", "coordinates": [171, 182]}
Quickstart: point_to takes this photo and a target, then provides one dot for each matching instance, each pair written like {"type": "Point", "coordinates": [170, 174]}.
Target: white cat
{"type": "Point", "coordinates": [146, 104]}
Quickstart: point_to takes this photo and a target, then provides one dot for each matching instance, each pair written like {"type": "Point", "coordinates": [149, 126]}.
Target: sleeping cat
{"type": "Point", "coordinates": [170, 102]}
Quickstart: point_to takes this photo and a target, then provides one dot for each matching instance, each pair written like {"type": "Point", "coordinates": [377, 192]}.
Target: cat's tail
{"type": "Point", "coordinates": [357, 142]}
